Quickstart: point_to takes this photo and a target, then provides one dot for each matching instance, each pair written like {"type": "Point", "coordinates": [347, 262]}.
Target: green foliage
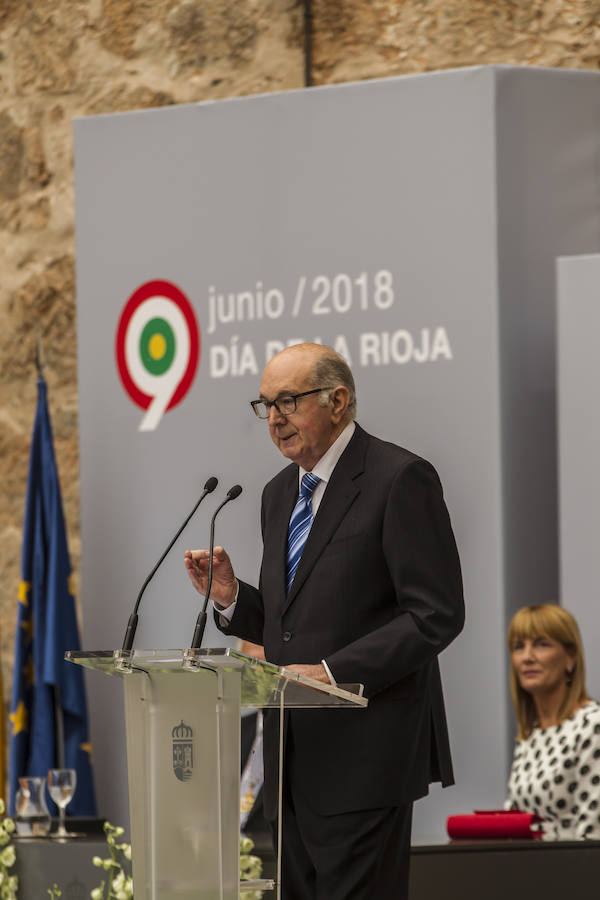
{"type": "Point", "coordinates": [250, 867]}
{"type": "Point", "coordinates": [9, 884]}
{"type": "Point", "coordinates": [118, 884]}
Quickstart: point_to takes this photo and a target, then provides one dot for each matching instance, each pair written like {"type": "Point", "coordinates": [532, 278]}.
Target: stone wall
{"type": "Point", "coordinates": [65, 58]}
{"type": "Point", "coordinates": [355, 39]}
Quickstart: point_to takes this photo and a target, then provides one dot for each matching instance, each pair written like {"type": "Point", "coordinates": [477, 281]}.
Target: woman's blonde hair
{"type": "Point", "coordinates": [551, 621]}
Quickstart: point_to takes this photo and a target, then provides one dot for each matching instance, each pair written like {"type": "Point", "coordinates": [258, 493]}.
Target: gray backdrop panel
{"type": "Point", "coordinates": [579, 448]}
{"type": "Point", "coordinates": [420, 177]}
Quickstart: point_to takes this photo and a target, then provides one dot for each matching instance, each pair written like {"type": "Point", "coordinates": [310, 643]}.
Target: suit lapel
{"type": "Point", "coordinates": [339, 496]}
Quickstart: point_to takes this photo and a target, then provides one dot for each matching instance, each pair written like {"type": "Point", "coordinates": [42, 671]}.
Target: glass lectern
{"type": "Point", "coordinates": [182, 721]}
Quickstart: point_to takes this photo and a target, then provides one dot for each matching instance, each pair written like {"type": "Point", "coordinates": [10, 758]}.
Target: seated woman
{"type": "Point", "coordinates": [556, 764]}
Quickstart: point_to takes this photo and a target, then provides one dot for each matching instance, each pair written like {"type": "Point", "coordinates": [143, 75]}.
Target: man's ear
{"type": "Point", "coordinates": [339, 398]}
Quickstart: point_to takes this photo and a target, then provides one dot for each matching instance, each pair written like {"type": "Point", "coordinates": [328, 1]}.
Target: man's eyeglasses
{"type": "Point", "coordinates": [284, 405]}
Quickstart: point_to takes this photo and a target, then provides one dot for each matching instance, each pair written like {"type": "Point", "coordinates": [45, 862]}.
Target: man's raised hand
{"type": "Point", "coordinates": [224, 584]}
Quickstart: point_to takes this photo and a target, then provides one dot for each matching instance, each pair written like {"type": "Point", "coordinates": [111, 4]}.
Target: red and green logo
{"type": "Point", "coordinates": [157, 348]}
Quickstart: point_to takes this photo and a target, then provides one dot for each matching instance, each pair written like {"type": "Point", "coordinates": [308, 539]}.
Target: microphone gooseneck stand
{"type": "Point", "coordinates": [232, 493]}
{"type": "Point", "coordinates": [133, 618]}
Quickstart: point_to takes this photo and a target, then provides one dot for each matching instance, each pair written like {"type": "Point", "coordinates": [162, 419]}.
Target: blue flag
{"type": "Point", "coordinates": [48, 697]}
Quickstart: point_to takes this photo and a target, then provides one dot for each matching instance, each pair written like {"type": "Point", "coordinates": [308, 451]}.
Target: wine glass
{"type": "Point", "coordinates": [61, 787]}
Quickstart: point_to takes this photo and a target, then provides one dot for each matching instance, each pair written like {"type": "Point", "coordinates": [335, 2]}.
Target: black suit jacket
{"type": "Point", "coordinates": [378, 595]}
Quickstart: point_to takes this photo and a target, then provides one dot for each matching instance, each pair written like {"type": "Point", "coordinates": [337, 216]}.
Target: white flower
{"type": "Point", "coordinates": [250, 866]}
{"type": "Point", "coordinates": [106, 864]}
{"type": "Point", "coordinates": [120, 886]}
{"type": "Point", "coordinates": [246, 844]}
{"type": "Point", "coordinates": [8, 856]}
{"type": "Point", "coordinates": [2, 807]}
{"type": "Point", "coordinates": [9, 825]}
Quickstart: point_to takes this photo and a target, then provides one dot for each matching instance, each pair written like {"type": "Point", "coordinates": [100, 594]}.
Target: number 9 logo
{"type": "Point", "coordinates": [157, 349]}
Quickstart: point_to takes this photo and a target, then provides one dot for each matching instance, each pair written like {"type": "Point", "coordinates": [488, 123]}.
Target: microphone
{"type": "Point", "coordinates": [232, 493]}
{"type": "Point", "coordinates": [209, 487]}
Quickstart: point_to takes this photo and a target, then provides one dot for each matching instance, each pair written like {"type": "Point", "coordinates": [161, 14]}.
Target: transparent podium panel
{"type": "Point", "coordinates": [182, 717]}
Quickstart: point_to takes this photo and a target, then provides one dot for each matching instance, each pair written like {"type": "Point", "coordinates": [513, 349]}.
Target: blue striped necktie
{"type": "Point", "coordinates": [300, 523]}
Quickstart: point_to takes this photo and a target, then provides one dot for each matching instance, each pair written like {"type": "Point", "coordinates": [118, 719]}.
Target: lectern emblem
{"type": "Point", "coordinates": [75, 890]}
{"type": "Point", "coordinates": [183, 751]}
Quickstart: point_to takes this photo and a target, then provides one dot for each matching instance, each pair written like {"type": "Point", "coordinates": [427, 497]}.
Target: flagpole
{"type": "Point", "coordinates": [58, 713]}
{"type": "Point", "coordinates": [60, 729]}
{"type": "Point", "coordinates": [2, 741]}
{"type": "Point", "coordinates": [48, 705]}
{"type": "Point", "coordinates": [39, 356]}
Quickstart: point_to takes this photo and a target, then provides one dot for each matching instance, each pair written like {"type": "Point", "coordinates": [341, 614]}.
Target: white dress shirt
{"type": "Point", "coordinates": [323, 470]}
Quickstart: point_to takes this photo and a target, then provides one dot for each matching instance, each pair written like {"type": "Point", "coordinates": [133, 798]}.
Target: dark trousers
{"type": "Point", "coordinates": [361, 855]}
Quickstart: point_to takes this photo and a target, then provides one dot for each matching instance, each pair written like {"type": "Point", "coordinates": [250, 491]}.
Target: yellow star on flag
{"type": "Point", "coordinates": [86, 747]}
{"type": "Point", "coordinates": [23, 592]}
{"type": "Point", "coordinates": [19, 719]}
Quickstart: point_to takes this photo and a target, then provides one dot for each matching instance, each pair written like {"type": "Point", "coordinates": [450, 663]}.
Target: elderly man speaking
{"type": "Point", "coordinates": [360, 582]}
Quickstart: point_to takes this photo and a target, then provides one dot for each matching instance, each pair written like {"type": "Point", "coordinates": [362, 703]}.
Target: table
{"type": "Point", "coordinates": [498, 870]}
{"type": "Point", "coordinates": [481, 870]}
{"type": "Point", "coordinates": [42, 862]}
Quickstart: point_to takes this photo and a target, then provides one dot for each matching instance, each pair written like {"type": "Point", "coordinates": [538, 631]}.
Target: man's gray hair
{"type": "Point", "coordinates": [333, 371]}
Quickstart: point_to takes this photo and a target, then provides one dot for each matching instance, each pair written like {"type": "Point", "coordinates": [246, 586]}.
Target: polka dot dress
{"type": "Point", "coordinates": [556, 774]}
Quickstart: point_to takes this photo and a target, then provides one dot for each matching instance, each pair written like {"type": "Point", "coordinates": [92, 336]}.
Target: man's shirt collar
{"type": "Point", "coordinates": [325, 466]}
